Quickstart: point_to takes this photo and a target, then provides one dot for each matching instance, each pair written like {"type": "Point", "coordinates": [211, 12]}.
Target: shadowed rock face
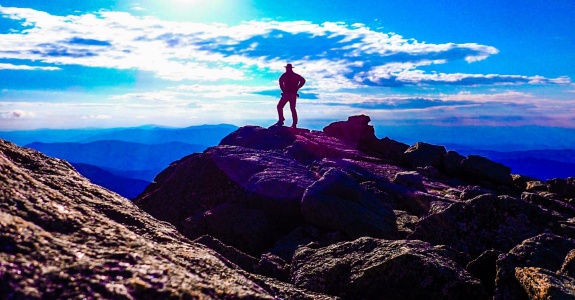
{"type": "Point", "coordinates": [483, 223]}
{"type": "Point", "coordinates": [62, 237]}
{"type": "Point", "coordinates": [370, 268]}
{"type": "Point", "coordinates": [338, 213]}
{"type": "Point", "coordinates": [337, 201]}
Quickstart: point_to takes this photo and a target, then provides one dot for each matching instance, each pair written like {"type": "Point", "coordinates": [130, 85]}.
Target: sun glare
{"type": "Point", "coordinates": [189, 2]}
{"type": "Point", "coordinates": [224, 11]}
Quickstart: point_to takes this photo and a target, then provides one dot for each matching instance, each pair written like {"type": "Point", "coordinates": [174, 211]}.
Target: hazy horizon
{"type": "Point", "coordinates": [507, 139]}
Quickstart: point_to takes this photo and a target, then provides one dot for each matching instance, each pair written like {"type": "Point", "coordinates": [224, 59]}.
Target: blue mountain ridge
{"type": "Point", "coordinates": [147, 134]}
{"type": "Point", "coordinates": [119, 154]}
{"type": "Point", "coordinates": [127, 187]}
{"type": "Point", "coordinates": [541, 164]}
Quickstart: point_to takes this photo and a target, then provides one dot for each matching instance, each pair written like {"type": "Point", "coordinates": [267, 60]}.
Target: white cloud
{"type": "Point", "coordinates": [333, 54]}
{"type": "Point", "coordinates": [26, 68]}
{"type": "Point", "coordinates": [482, 97]}
{"type": "Point", "coordinates": [96, 117]}
{"type": "Point", "coordinates": [137, 7]}
{"type": "Point", "coordinates": [225, 91]}
{"type": "Point", "coordinates": [15, 114]}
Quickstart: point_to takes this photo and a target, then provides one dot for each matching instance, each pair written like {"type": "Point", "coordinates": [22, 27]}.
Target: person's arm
{"type": "Point", "coordinates": [281, 82]}
{"type": "Point", "coordinates": [301, 82]}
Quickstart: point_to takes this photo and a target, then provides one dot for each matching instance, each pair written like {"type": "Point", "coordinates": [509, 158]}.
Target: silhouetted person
{"type": "Point", "coordinates": [290, 83]}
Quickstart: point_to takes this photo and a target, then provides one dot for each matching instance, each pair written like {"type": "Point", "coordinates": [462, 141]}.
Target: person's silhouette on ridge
{"type": "Point", "coordinates": [290, 83]}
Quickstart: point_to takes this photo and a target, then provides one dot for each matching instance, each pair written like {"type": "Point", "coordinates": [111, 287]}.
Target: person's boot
{"type": "Point", "coordinates": [279, 123]}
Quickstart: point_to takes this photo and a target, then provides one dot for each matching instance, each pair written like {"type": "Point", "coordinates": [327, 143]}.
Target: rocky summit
{"type": "Point", "coordinates": [62, 237]}
{"type": "Point", "coordinates": [284, 213]}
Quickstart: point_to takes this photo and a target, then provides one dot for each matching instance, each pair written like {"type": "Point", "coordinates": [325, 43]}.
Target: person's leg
{"type": "Point", "coordinates": [292, 103]}
{"type": "Point", "coordinates": [280, 107]}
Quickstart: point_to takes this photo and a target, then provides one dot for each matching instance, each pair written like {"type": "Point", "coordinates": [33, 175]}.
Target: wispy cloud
{"type": "Point", "coordinates": [402, 103]}
{"type": "Point", "coordinates": [97, 117]}
{"type": "Point", "coordinates": [26, 67]}
{"type": "Point", "coordinates": [15, 114]}
{"type": "Point", "coordinates": [333, 55]}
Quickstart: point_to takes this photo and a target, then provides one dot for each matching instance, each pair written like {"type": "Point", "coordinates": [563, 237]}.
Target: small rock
{"type": "Point", "coordinates": [471, 192]}
{"type": "Point", "coordinates": [546, 251]}
{"type": "Point", "coordinates": [543, 284]}
{"type": "Point", "coordinates": [244, 229]}
{"type": "Point", "coordinates": [429, 171]}
{"type": "Point", "coordinates": [563, 187]}
{"type": "Point", "coordinates": [232, 254]}
{"type": "Point", "coordinates": [484, 268]}
{"type": "Point", "coordinates": [522, 180]}
{"type": "Point", "coordinates": [568, 267]}
{"type": "Point", "coordinates": [273, 266]}
{"type": "Point", "coordinates": [535, 185]}
{"type": "Point", "coordinates": [410, 179]}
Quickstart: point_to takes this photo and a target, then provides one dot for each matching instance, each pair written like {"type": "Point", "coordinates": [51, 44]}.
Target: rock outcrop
{"type": "Point", "coordinates": [350, 215]}
{"type": "Point", "coordinates": [62, 237]}
{"type": "Point", "coordinates": [290, 213]}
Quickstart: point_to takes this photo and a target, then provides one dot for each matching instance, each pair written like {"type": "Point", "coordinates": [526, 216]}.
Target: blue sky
{"type": "Point", "coordinates": [73, 64]}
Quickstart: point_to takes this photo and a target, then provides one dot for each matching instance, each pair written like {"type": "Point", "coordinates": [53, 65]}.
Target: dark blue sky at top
{"type": "Point", "coordinates": [533, 36]}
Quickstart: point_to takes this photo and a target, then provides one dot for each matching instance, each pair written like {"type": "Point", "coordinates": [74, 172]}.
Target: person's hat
{"type": "Point", "coordinates": [289, 66]}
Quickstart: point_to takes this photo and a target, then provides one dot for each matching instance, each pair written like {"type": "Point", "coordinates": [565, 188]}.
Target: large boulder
{"type": "Point", "coordinates": [336, 201]}
{"type": "Point", "coordinates": [316, 145]}
{"type": "Point", "coordinates": [423, 154]}
{"type": "Point", "coordinates": [385, 148]}
{"type": "Point", "coordinates": [62, 237]}
{"type": "Point", "coordinates": [257, 137]}
{"type": "Point", "coordinates": [452, 163]}
{"type": "Point", "coordinates": [353, 131]}
{"type": "Point", "coordinates": [484, 169]}
{"type": "Point", "coordinates": [477, 169]}
{"type": "Point", "coordinates": [358, 134]}
{"type": "Point", "coordinates": [263, 180]}
{"type": "Point", "coordinates": [483, 223]}
{"type": "Point", "coordinates": [546, 251]}
{"type": "Point", "coordinates": [369, 268]}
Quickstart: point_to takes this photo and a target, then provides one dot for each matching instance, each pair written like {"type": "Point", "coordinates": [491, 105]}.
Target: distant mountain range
{"type": "Point", "coordinates": [119, 154]}
{"type": "Point", "coordinates": [123, 167]}
{"type": "Point", "coordinates": [124, 160]}
{"type": "Point", "coordinates": [541, 164]}
{"type": "Point", "coordinates": [501, 138]}
{"type": "Point", "coordinates": [150, 134]}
